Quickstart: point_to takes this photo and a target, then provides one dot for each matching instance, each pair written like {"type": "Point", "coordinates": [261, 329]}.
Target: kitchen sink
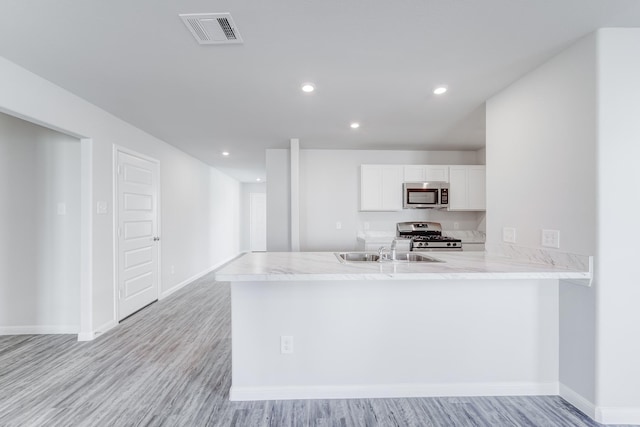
{"type": "Point", "coordinates": [415, 257]}
{"type": "Point", "coordinates": [357, 257]}
{"type": "Point", "coordinates": [372, 257]}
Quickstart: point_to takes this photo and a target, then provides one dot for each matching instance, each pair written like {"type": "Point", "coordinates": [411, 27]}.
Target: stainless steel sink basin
{"type": "Point", "coordinates": [372, 257]}
{"type": "Point", "coordinates": [415, 257]}
{"type": "Point", "coordinates": [357, 257]}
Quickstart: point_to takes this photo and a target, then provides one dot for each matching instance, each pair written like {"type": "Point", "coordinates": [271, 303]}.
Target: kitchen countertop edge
{"type": "Point", "coordinates": [324, 266]}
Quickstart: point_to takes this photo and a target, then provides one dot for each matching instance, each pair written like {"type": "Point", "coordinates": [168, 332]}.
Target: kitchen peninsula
{"type": "Point", "coordinates": [306, 325]}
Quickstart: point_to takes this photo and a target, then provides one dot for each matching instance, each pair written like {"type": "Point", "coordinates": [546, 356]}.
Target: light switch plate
{"type": "Point", "coordinates": [286, 344]}
{"type": "Point", "coordinates": [551, 239]}
{"type": "Point", "coordinates": [101, 208]}
{"type": "Point", "coordinates": [62, 208]}
{"type": "Point", "coordinates": [509, 234]}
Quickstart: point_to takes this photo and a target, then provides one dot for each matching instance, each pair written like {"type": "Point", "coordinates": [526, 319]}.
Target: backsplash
{"type": "Point", "coordinates": [386, 221]}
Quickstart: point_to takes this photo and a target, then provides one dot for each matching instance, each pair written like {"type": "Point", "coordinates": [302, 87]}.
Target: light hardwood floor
{"type": "Point", "coordinates": [170, 365]}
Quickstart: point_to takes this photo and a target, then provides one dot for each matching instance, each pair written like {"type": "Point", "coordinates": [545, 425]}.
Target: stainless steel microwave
{"type": "Point", "coordinates": [425, 195]}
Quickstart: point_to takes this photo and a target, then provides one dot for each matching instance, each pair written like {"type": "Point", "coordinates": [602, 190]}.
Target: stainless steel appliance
{"type": "Point", "coordinates": [427, 236]}
{"type": "Point", "coordinates": [425, 195]}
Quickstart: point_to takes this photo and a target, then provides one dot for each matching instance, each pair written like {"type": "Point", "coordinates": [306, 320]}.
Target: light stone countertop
{"type": "Point", "coordinates": [300, 266]}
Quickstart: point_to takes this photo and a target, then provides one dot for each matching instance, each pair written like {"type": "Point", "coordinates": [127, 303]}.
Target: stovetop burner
{"type": "Point", "coordinates": [427, 236]}
{"type": "Point", "coordinates": [434, 238]}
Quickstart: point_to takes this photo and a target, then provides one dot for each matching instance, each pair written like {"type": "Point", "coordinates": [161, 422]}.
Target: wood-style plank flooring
{"type": "Point", "coordinates": [170, 365]}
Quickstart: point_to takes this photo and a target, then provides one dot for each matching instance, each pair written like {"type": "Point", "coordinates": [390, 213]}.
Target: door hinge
{"type": "Point", "coordinates": [119, 232]}
{"type": "Point", "coordinates": [119, 170]}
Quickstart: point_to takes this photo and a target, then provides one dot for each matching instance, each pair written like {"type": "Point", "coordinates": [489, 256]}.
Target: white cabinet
{"type": "Point", "coordinates": [467, 188]}
{"type": "Point", "coordinates": [422, 173]}
{"type": "Point", "coordinates": [381, 187]}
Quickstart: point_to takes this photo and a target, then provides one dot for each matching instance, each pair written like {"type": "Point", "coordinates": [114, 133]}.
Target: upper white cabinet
{"type": "Point", "coordinates": [422, 173]}
{"type": "Point", "coordinates": [467, 188]}
{"type": "Point", "coordinates": [381, 187]}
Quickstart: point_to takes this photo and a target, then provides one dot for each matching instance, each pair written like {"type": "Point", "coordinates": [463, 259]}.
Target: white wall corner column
{"type": "Point", "coordinates": [295, 194]}
{"type": "Point", "coordinates": [618, 293]}
{"type": "Point", "coordinates": [578, 105]}
{"type": "Point", "coordinates": [86, 219]}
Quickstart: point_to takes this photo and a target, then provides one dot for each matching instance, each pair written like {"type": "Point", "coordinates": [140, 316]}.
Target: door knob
{"type": "Point", "coordinates": [155, 239]}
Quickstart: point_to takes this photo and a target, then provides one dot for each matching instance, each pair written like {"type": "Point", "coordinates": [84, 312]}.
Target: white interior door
{"type": "Point", "coordinates": [258, 221]}
{"type": "Point", "coordinates": [137, 232]}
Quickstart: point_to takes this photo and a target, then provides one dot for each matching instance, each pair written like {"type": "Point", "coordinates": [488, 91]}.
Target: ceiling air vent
{"type": "Point", "coordinates": [212, 28]}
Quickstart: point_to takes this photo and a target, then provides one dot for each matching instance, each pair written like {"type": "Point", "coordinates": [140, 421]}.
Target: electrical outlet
{"type": "Point", "coordinates": [509, 234]}
{"type": "Point", "coordinates": [551, 238]}
{"type": "Point", "coordinates": [366, 225]}
{"type": "Point", "coordinates": [338, 225]}
{"type": "Point", "coordinates": [62, 208]}
{"type": "Point", "coordinates": [456, 225]}
{"type": "Point", "coordinates": [286, 344]}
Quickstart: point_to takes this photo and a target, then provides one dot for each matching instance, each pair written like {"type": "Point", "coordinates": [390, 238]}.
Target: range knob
{"type": "Point", "coordinates": [448, 244]}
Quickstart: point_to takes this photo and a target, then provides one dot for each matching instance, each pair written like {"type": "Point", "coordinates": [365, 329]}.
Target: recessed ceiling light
{"type": "Point", "coordinates": [308, 87]}
{"type": "Point", "coordinates": [258, 179]}
{"type": "Point", "coordinates": [225, 153]}
{"type": "Point", "coordinates": [440, 90]}
{"type": "Point", "coordinates": [354, 125]}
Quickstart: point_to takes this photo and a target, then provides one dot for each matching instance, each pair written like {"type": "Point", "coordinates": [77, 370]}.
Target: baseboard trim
{"type": "Point", "coordinates": [391, 391]}
{"type": "Point", "coordinates": [104, 328]}
{"type": "Point", "coordinates": [601, 414]}
{"type": "Point", "coordinates": [191, 279]}
{"type": "Point", "coordinates": [39, 330]}
{"type": "Point", "coordinates": [579, 401]}
{"type": "Point", "coordinates": [86, 336]}
{"type": "Point", "coordinates": [618, 415]}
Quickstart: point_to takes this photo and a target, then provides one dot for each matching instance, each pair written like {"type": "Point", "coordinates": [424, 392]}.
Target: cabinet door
{"type": "Point", "coordinates": [422, 173]}
{"type": "Point", "coordinates": [477, 188]}
{"type": "Point", "coordinates": [436, 173]}
{"type": "Point", "coordinates": [370, 185]}
{"type": "Point", "coordinates": [467, 188]}
{"type": "Point", "coordinates": [414, 173]}
{"type": "Point", "coordinates": [392, 188]}
{"type": "Point", "coordinates": [381, 187]}
{"type": "Point", "coordinates": [457, 188]}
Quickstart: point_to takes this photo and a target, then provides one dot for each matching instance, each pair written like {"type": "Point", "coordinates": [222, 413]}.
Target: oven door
{"type": "Point", "coordinates": [421, 198]}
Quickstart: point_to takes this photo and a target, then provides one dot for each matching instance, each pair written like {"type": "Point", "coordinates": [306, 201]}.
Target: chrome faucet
{"type": "Point", "coordinates": [385, 254]}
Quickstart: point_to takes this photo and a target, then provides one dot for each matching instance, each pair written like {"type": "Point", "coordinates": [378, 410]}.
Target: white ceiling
{"type": "Point", "coordinates": [372, 61]}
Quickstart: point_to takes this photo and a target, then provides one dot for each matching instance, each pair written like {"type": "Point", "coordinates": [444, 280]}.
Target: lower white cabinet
{"type": "Point", "coordinates": [381, 187]}
{"type": "Point", "coordinates": [467, 188]}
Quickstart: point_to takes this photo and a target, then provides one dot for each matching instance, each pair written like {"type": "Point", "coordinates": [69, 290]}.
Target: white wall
{"type": "Point", "coordinates": [39, 249]}
{"type": "Point", "coordinates": [330, 193]}
{"type": "Point", "coordinates": [618, 370]}
{"type": "Point", "coordinates": [198, 202]}
{"type": "Point", "coordinates": [245, 229]}
{"type": "Point", "coordinates": [541, 173]}
{"type": "Point", "coordinates": [200, 219]}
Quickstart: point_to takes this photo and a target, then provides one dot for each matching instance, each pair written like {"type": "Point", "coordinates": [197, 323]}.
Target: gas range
{"type": "Point", "coordinates": [427, 236]}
